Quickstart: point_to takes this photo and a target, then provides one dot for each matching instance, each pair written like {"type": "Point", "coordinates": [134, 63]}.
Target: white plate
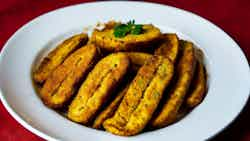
{"type": "Point", "coordinates": [228, 69]}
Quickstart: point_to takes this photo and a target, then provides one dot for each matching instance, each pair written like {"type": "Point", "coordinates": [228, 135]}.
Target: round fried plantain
{"type": "Point", "coordinates": [106, 40]}
{"type": "Point", "coordinates": [61, 84]}
{"type": "Point", "coordinates": [97, 87]}
{"type": "Point", "coordinates": [185, 70]}
{"type": "Point", "coordinates": [141, 98]}
{"type": "Point", "coordinates": [57, 56]}
{"type": "Point", "coordinates": [198, 87]}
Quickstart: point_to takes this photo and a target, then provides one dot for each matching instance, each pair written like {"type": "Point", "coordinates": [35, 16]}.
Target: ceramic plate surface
{"type": "Point", "coordinates": [228, 70]}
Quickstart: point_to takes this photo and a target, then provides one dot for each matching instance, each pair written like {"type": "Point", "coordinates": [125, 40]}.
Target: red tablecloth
{"type": "Point", "coordinates": [233, 16]}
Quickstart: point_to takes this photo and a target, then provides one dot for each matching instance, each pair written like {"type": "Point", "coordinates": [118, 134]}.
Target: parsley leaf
{"type": "Point", "coordinates": [122, 30]}
{"type": "Point", "coordinates": [137, 29]}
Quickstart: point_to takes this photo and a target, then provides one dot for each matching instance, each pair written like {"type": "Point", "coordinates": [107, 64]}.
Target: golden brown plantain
{"type": "Point", "coordinates": [58, 55]}
{"type": "Point", "coordinates": [137, 59]}
{"type": "Point", "coordinates": [108, 42]}
{"type": "Point", "coordinates": [61, 84]}
{"type": "Point", "coordinates": [185, 70]}
{"type": "Point", "coordinates": [199, 87]}
{"type": "Point", "coordinates": [169, 47]}
{"type": "Point", "coordinates": [142, 97]}
{"type": "Point", "coordinates": [109, 110]}
{"type": "Point", "coordinates": [97, 87]}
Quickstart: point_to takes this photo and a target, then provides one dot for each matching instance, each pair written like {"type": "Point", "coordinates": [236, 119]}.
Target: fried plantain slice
{"type": "Point", "coordinates": [142, 97]}
{"type": "Point", "coordinates": [97, 87]}
{"type": "Point", "coordinates": [61, 84]}
{"type": "Point", "coordinates": [138, 59]}
{"type": "Point", "coordinates": [185, 70]}
{"type": "Point", "coordinates": [169, 47]}
{"type": "Point", "coordinates": [199, 86]}
{"type": "Point", "coordinates": [109, 110]}
{"type": "Point", "coordinates": [58, 55]}
{"type": "Point", "coordinates": [108, 42]}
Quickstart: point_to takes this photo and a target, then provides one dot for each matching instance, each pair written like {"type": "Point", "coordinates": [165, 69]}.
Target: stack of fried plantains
{"type": "Point", "coordinates": [117, 85]}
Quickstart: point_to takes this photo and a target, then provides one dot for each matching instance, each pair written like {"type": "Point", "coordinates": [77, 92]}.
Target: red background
{"type": "Point", "coordinates": [233, 16]}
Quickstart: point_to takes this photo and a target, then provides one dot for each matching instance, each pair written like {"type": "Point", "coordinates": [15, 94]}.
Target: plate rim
{"type": "Point", "coordinates": [45, 136]}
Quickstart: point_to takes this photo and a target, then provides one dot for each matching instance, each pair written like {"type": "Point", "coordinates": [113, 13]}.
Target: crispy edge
{"type": "Point", "coordinates": [109, 110]}
{"type": "Point", "coordinates": [169, 47]}
{"type": "Point", "coordinates": [199, 84]}
{"type": "Point", "coordinates": [98, 86]}
{"type": "Point", "coordinates": [185, 70]}
{"type": "Point", "coordinates": [107, 42]}
{"type": "Point", "coordinates": [60, 86]}
{"type": "Point", "coordinates": [57, 56]}
{"type": "Point", "coordinates": [136, 110]}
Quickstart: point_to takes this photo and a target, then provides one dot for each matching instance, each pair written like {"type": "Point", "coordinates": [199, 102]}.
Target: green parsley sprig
{"type": "Point", "coordinates": [122, 30]}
